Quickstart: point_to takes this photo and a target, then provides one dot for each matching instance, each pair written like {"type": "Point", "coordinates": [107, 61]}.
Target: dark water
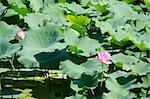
{"type": "Point", "coordinates": [13, 87]}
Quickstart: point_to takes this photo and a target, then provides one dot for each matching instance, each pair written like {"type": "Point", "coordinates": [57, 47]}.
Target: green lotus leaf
{"type": "Point", "coordinates": [2, 8]}
{"type": "Point", "coordinates": [51, 60]}
{"type": "Point", "coordinates": [35, 20]}
{"type": "Point", "coordinates": [123, 10]}
{"type": "Point", "coordinates": [146, 81]}
{"type": "Point", "coordinates": [75, 71]}
{"type": "Point", "coordinates": [107, 27]}
{"type": "Point", "coordinates": [75, 87]}
{"type": "Point", "coordinates": [115, 21]}
{"type": "Point", "coordinates": [18, 3]}
{"type": "Point", "coordinates": [3, 70]}
{"type": "Point", "coordinates": [140, 25]}
{"type": "Point", "coordinates": [22, 11]}
{"type": "Point", "coordinates": [117, 91]}
{"type": "Point", "coordinates": [126, 33]}
{"type": "Point", "coordinates": [101, 7]}
{"type": "Point", "coordinates": [81, 29]}
{"type": "Point", "coordinates": [8, 31]}
{"type": "Point", "coordinates": [117, 74]}
{"type": "Point", "coordinates": [131, 63]}
{"type": "Point", "coordinates": [77, 96]}
{"type": "Point", "coordinates": [81, 20]}
{"type": "Point", "coordinates": [54, 13]}
{"type": "Point", "coordinates": [86, 81]}
{"type": "Point", "coordinates": [72, 70]}
{"type": "Point", "coordinates": [10, 12]}
{"type": "Point", "coordinates": [88, 49]}
{"type": "Point", "coordinates": [129, 1]}
{"type": "Point", "coordinates": [48, 14]}
{"type": "Point", "coordinates": [147, 3]}
{"type": "Point", "coordinates": [44, 39]}
{"type": "Point", "coordinates": [49, 1]}
{"type": "Point", "coordinates": [76, 8]}
{"type": "Point", "coordinates": [7, 49]}
{"type": "Point", "coordinates": [36, 4]}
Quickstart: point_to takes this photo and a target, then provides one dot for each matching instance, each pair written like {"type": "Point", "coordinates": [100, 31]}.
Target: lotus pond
{"type": "Point", "coordinates": [75, 49]}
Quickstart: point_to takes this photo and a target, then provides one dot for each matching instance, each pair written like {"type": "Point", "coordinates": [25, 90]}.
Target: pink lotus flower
{"type": "Point", "coordinates": [103, 57]}
{"type": "Point", "coordinates": [20, 35]}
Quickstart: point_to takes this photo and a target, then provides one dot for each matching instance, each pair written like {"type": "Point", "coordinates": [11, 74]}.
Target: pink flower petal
{"type": "Point", "coordinates": [20, 35]}
{"type": "Point", "coordinates": [97, 58]}
{"type": "Point", "coordinates": [108, 62]}
{"type": "Point", "coordinates": [103, 57]}
{"type": "Point", "coordinates": [100, 54]}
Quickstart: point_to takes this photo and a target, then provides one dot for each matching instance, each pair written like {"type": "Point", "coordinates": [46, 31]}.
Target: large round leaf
{"type": "Point", "coordinates": [7, 49]}
{"type": "Point", "coordinates": [44, 39]}
{"type": "Point", "coordinates": [8, 31]}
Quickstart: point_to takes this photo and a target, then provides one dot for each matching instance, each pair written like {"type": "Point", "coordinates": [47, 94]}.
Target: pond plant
{"type": "Point", "coordinates": [75, 49]}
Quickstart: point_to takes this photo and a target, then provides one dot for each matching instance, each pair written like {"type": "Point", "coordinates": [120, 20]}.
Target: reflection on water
{"type": "Point", "coordinates": [36, 87]}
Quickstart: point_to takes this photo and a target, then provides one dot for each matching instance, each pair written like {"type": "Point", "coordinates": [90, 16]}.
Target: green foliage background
{"type": "Point", "coordinates": [66, 35]}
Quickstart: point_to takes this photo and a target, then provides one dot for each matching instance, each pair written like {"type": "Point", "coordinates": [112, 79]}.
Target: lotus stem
{"type": "Point", "coordinates": [102, 76]}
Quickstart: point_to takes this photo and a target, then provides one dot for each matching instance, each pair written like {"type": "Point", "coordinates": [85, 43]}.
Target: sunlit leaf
{"type": "Point", "coordinates": [18, 3]}
{"type": "Point", "coordinates": [131, 63]}
{"type": "Point", "coordinates": [75, 71]}
{"type": "Point", "coordinates": [36, 4]}
{"type": "Point", "coordinates": [8, 31]}
{"type": "Point", "coordinates": [44, 39]}
{"type": "Point", "coordinates": [71, 38]}
{"type": "Point", "coordinates": [2, 8]}
{"type": "Point", "coordinates": [7, 49]}
{"type": "Point", "coordinates": [147, 3]}
{"type": "Point", "coordinates": [82, 20]}
{"type": "Point", "coordinates": [77, 96]}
